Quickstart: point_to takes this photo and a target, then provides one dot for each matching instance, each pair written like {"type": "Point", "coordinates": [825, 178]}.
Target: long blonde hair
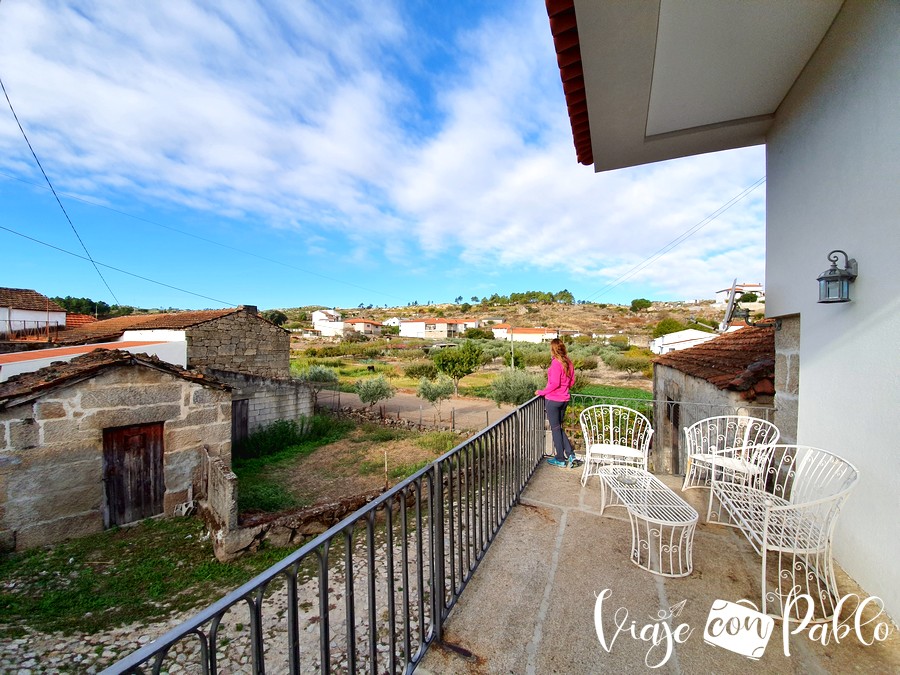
{"type": "Point", "coordinates": [558, 352]}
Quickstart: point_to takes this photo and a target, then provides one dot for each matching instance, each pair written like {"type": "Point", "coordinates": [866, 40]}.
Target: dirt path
{"type": "Point", "coordinates": [469, 414]}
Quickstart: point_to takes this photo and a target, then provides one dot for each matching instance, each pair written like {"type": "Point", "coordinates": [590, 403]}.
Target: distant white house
{"type": "Point", "coordinates": [393, 321]}
{"type": "Point", "coordinates": [436, 328]}
{"type": "Point", "coordinates": [328, 323]}
{"type": "Point", "coordinates": [503, 331]}
{"type": "Point", "coordinates": [364, 326]}
{"type": "Point", "coordinates": [682, 339]}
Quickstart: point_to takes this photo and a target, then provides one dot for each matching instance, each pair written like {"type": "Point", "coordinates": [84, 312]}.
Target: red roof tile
{"type": "Point", "coordinates": [77, 320]}
{"type": "Point", "coordinates": [21, 388]}
{"type": "Point", "coordinates": [25, 298]}
{"type": "Point", "coordinates": [743, 360]}
{"type": "Point", "coordinates": [113, 328]}
{"type": "Point", "coordinates": [564, 29]}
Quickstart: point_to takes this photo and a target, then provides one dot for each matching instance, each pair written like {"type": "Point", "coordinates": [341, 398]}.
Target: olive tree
{"type": "Point", "coordinates": [374, 389]}
{"type": "Point", "coordinates": [435, 391]}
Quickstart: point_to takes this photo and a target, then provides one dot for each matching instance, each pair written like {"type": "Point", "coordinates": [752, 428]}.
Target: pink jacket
{"type": "Point", "coordinates": [558, 384]}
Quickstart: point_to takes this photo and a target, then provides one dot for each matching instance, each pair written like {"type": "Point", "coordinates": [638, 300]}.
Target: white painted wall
{"type": "Point", "coordinates": [167, 335]}
{"type": "Point", "coordinates": [833, 168]}
{"type": "Point", "coordinates": [414, 329]}
{"type": "Point", "coordinates": [19, 319]}
{"type": "Point", "coordinates": [171, 352]}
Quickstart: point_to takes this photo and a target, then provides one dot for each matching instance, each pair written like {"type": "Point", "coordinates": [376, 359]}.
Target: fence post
{"type": "Point", "coordinates": [437, 564]}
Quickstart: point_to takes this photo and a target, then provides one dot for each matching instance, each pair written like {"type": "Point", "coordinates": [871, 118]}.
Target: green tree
{"type": "Point", "coordinates": [435, 391]}
{"type": "Point", "coordinates": [748, 297]}
{"type": "Point", "coordinates": [318, 378]}
{"type": "Point", "coordinates": [565, 297]}
{"type": "Point", "coordinates": [474, 299]}
{"type": "Point", "coordinates": [667, 326]}
{"type": "Point", "coordinates": [640, 303]}
{"type": "Point", "coordinates": [374, 389]}
{"type": "Point", "coordinates": [465, 307]}
{"type": "Point", "coordinates": [457, 363]}
{"type": "Point", "coordinates": [276, 316]}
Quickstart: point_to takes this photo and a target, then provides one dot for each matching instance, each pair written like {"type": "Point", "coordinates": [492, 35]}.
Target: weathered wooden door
{"type": "Point", "coordinates": [133, 473]}
{"type": "Point", "coordinates": [240, 414]}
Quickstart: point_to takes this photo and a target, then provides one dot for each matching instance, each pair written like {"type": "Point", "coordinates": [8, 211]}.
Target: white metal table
{"type": "Point", "coordinates": [662, 523]}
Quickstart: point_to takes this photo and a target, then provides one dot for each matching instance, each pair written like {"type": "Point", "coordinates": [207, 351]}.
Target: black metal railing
{"type": "Point", "coordinates": [371, 593]}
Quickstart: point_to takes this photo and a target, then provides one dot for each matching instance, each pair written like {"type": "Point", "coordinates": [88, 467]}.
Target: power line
{"type": "Point", "coordinates": [618, 281]}
{"type": "Point", "coordinates": [117, 269]}
{"type": "Point", "coordinates": [53, 190]}
{"type": "Point", "coordinates": [207, 240]}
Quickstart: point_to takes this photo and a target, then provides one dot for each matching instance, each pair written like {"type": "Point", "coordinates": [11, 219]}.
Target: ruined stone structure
{"type": "Point", "coordinates": [105, 439]}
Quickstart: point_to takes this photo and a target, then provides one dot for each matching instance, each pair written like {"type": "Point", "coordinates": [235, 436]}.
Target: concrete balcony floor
{"type": "Point", "coordinates": [530, 606]}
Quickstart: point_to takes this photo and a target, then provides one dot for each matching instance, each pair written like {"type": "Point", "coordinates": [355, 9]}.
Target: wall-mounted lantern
{"type": "Point", "coordinates": [834, 283]}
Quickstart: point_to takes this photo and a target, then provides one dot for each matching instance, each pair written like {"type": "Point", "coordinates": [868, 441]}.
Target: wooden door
{"type": "Point", "coordinates": [133, 473]}
{"type": "Point", "coordinates": [240, 414]}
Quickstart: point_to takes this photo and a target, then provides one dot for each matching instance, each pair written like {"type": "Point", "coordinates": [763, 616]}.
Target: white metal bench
{"type": "Point", "coordinates": [788, 512]}
{"type": "Point", "coordinates": [662, 523]}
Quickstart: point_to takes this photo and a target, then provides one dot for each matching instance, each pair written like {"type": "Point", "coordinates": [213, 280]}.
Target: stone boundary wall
{"type": "Point", "coordinates": [242, 341]}
{"type": "Point", "coordinates": [294, 528]}
{"type": "Point", "coordinates": [271, 399]}
{"type": "Point", "coordinates": [51, 448]}
{"type": "Point", "coordinates": [787, 377]}
{"type": "Point", "coordinates": [219, 491]}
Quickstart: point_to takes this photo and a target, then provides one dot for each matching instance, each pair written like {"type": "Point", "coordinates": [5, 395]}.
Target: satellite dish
{"type": "Point", "coordinates": [729, 309]}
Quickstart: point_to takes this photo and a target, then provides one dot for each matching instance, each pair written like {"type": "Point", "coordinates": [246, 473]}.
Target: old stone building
{"type": "Point", "coordinates": [237, 339]}
{"type": "Point", "coordinates": [106, 439]}
{"type": "Point", "coordinates": [731, 374]}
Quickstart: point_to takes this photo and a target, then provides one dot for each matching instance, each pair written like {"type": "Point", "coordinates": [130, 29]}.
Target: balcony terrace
{"type": "Point", "coordinates": [489, 560]}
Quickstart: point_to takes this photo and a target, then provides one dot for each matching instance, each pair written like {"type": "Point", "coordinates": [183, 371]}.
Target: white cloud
{"type": "Point", "coordinates": [301, 115]}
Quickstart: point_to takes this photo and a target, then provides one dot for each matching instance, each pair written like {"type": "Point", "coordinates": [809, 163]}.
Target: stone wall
{"type": "Point", "coordinates": [696, 399]}
{"type": "Point", "coordinates": [243, 342]}
{"type": "Point", "coordinates": [51, 449]}
{"type": "Point", "coordinates": [787, 377]}
{"type": "Point", "coordinates": [271, 399]}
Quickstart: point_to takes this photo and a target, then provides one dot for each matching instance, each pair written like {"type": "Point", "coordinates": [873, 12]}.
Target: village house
{"type": "Point", "coordinates": [503, 331]}
{"type": "Point", "coordinates": [436, 328]}
{"type": "Point", "coordinates": [367, 327]}
{"type": "Point", "coordinates": [26, 314]}
{"type": "Point", "coordinates": [107, 439]}
{"type": "Point", "coordinates": [734, 371]}
{"type": "Point", "coordinates": [327, 323]}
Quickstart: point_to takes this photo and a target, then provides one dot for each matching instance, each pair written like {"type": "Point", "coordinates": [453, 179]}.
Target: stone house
{"type": "Point", "coordinates": [236, 339]}
{"type": "Point", "coordinates": [107, 439]}
{"type": "Point", "coordinates": [236, 345]}
{"type": "Point", "coordinates": [733, 373]}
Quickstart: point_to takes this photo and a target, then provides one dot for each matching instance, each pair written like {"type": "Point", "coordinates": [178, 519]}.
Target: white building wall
{"type": "Point", "coordinates": [833, 175]}
{"type": "Point", "coordinates": [166, 334]}
{"type": "Point", "coordinates": [413, 329]}
{"type": "Point", "coordinates": [19, 319]}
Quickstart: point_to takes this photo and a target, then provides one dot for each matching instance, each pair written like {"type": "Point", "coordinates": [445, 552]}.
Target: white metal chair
{"type": "Point", "coordinates": [788, 514]}
{"type": "Point", "coordinates": [614, 434]}
{"type": "Point", "coordinates": [720, 444]}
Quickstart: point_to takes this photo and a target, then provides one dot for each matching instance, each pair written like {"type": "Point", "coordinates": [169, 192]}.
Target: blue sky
{"type": "Point", "coordinates": [336, 153]}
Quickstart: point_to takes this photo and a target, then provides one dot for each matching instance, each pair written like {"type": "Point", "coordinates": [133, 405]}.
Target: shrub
{"type": "Point", "coordinates": [317, 378]}
{"type": "Point", "coordinates": [374, 389]}
{"type": "Point", "coordinates": [640, 303]}
{"type": "Point", "coordinates": [479, 334]}
{"type": "Point", "coordinates": [585, 363]}
{"type": "Point", "coordinates": [541, 359]}
{"type": "Point", "coordinates": [422, 369]}
{"type": "Point", "coordinates": [667, 326]}
{"type": "Point", "coordinates": [282, 434]}
{"type": "Point", "coordinates": [515, 386]}
{"type": "Point", "coordinates": [619, 342]}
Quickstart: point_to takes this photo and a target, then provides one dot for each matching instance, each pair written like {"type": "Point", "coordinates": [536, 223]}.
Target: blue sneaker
{"type": "Point", "coordinates": [573, 462]}
{"type": "Point", "coordinates": [555, 462]}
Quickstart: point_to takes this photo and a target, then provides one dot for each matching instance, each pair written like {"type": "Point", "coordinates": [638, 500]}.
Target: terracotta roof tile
{"type": "Point", "coordinates": [564, 29]}
{"type": "Point", "coordinates": [77, 320]}
{"type": "Point", "coordinates": [25, 298]}
{"type": "Point", "coordinates": [113, 328]}
{"type": "Point", "coordinates": [60, 373]}
{"type": "Point", "coordinates": [743, 361]}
